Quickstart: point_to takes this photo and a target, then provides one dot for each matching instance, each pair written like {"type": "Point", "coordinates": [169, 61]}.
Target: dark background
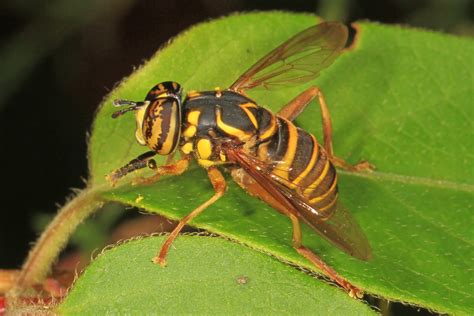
{"type": "Point", "coordinates": [58, 59]}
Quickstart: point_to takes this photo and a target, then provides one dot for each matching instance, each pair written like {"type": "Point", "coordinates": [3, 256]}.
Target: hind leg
{"type": "Point", "coordinates": [299, 103]}
{"type": "Point", "coordinates": [254, 188]}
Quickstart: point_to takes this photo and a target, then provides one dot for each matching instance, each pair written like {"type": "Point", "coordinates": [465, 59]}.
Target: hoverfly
{"type": "Point", "coordinates": [268, 156]}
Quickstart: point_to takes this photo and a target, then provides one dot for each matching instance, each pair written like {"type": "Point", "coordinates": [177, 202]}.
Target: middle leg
{"type": "Point", "coordinates": [219, 184]}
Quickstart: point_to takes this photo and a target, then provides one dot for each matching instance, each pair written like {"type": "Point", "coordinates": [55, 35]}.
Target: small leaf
{"type": "Point", "coordinates": [204, 275]}
{"type": "Point", "coordinates": [401, 98]}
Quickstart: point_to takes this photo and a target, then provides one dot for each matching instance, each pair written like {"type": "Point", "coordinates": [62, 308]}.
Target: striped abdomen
{"type": "Point", "coordinates": [301, 164]}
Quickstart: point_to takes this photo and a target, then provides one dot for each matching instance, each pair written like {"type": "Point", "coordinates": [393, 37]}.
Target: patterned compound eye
{"type": "Point", "coordinates": [160, 125]}
{"type": "Point", "coordinates": [162, 89]}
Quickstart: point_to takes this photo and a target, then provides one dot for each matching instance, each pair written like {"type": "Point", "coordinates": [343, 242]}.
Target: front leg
{"type": "Point", "coordinates": [173, 169]}
{"type": "Point", "coordinates": [142, 161]}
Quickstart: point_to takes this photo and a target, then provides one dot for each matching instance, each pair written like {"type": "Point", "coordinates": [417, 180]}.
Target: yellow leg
{"type": "Point", "coordinates": [352, 290]}
{"type": "Point", "coordinates": [219, 184]}
{"type": "Point", "coordinates": [170, 159]}
{"type": "Point", "coordinates": [176, 168]}
{"type": "Point", "coordinates": [298, 104]}
{"type": "Point", "coordinates": [255, 189]}
{"type": "Point", "coordinates": [294, 108]}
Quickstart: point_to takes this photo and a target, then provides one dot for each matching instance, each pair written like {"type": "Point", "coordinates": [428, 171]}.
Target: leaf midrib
{"type": "Point", "coordinates": [413, 180]}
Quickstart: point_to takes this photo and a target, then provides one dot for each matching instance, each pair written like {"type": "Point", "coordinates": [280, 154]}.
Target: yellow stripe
{"type": "Point", "coordinates": [204, 148]}
{"type": "Point", "coordinates": [156, 131]}
{"type": "Point", "coordinates": [190, 131]}
{"type": "Point", "coordinates": [193, 117]}
{"type": "Point", "coordinates": [325, 208]}
{"type": "Point", "coordinates": [316, 182]}
{"type": "Point", "coordinates": [163, 95]}
{"type": "Point", "coordinates": [270, 130]}
{"type": "Point", "coordinates": [168, 143]}
{"type": "Point", "coordinates": [311, 163]}
{"type": "Point", "coordinates": [193, 94]}
{"type": "Point", "coordinates": [263, 152]}
{"type": "Point", "coordinates": [249, 113]}
{"type": "Point", "coordinates": [242, 135]}
{"type": "Point", "coordinates": [283, 168]}
{"type": "Point", "coordinates": [222, 156]}
{"type": "Point", "coordinates": [325, 195]}
{"type": "Point", "coordinates": [206, 163]}
{"type": "Point", "coordinates": [187, 148]}
{"type": "Point", "coordinates": [139, 117]}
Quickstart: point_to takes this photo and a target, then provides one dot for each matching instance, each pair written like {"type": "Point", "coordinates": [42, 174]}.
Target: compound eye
{"type": "Point", "coordinates": [161, 125]}
{"type": "Point", "coordinates": [165, 88]}
{"type": "Point", "coordinates": [151, 164]}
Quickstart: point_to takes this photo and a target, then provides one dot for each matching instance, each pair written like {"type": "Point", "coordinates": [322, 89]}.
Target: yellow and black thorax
{"type": "Point", "coordinates": [211, 118]}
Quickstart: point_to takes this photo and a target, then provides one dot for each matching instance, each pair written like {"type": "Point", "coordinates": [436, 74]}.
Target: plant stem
{"type": "Point", "coordinates": [54, 238]}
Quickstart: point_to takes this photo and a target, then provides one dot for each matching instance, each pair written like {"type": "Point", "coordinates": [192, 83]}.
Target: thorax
{"type": "Point", "coordinates": [212, 117]}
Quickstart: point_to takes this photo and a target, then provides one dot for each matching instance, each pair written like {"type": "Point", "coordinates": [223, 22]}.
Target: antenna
{"type": "Point", "coordinates": [134, 106]}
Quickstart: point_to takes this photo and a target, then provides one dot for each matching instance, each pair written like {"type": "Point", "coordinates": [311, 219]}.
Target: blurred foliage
{"type": "Point", "coordinates": [48, 25]}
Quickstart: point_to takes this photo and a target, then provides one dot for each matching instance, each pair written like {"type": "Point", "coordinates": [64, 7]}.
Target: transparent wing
{"type": "Point", "coordinates": [339, 227]}
{"type": "Point", "coordinates": [298, 60]}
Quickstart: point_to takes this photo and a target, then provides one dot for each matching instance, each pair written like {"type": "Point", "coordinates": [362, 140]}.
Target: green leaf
{"type": "Point", "coordinates": [204, 275]}
{"type": "Point", "coordinates": [401, 98]}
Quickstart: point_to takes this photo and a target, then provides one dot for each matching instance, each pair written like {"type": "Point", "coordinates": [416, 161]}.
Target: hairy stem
{"type": "Point", "coordinates": [54, 238]}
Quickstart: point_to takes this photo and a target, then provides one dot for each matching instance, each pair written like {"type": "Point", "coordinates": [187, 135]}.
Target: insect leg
{"type": "Point", "coordinates": [219, 184]}
{"type": "Point", "coordinates": [327, 138]}
{"type": "Point", "coordinates": [255, 189]}
{"type": "Point", "coordinates": [294, 108]}
{"type": "Point", "coordinates": [170, 159]}
{"type": "Point", "coordinates": [135, 164]}
{"type": "Point", "coordinates": [299, 103]}
{"type": "Point", "coordinates": [174, 169]}
{"type": "Point", "coordinates": [318, 262]}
